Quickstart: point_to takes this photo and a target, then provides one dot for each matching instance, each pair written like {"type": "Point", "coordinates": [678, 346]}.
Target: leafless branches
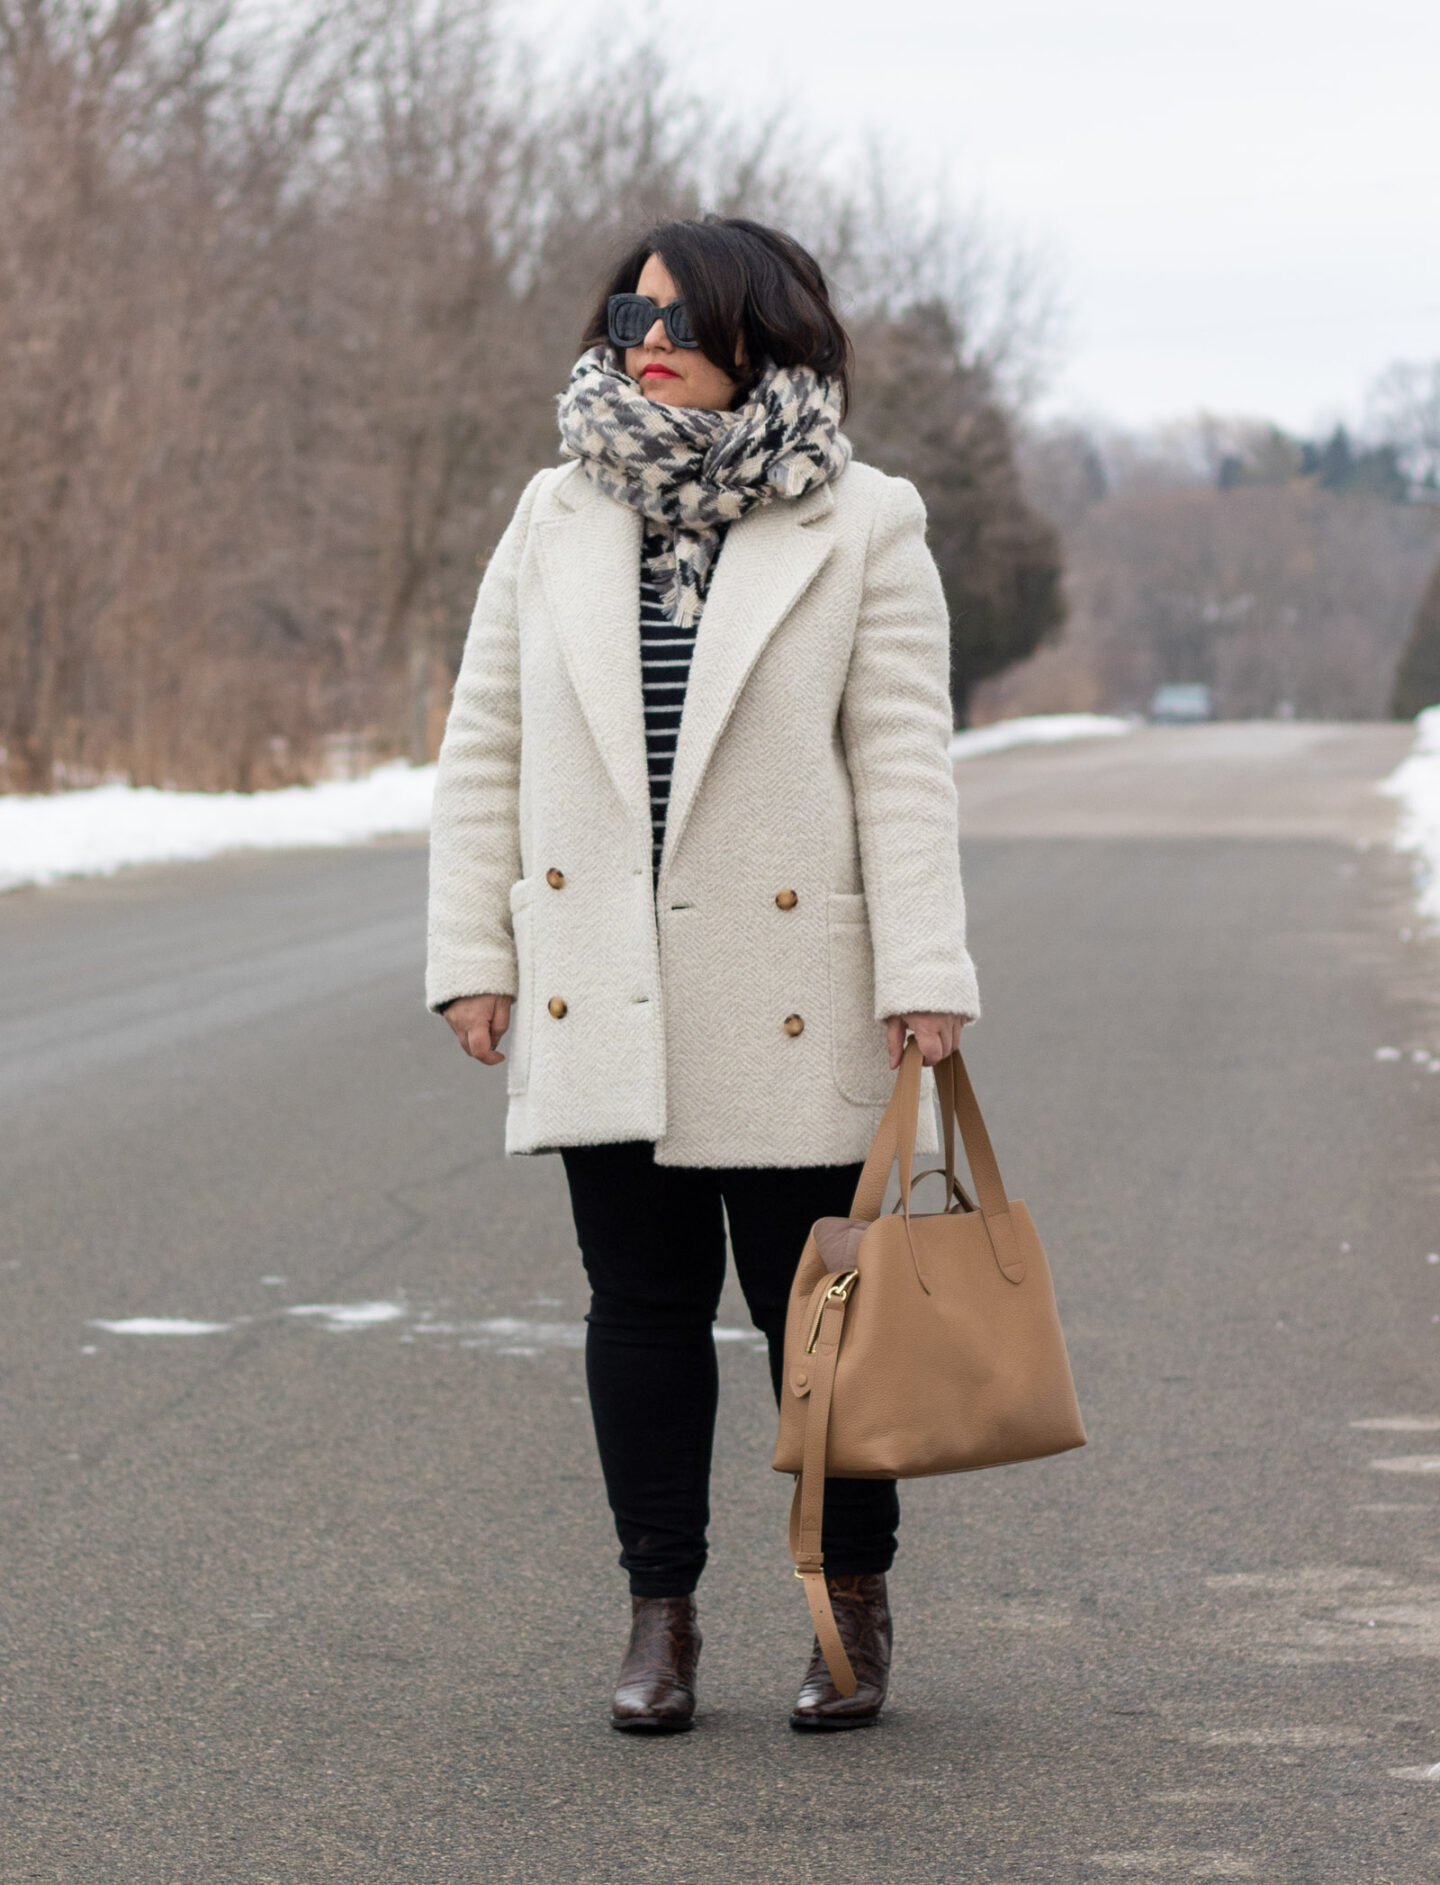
{"type": "Point", "coordinates": [286, 292]}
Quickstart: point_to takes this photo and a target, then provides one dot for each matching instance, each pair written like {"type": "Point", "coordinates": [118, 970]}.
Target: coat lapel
{"type": "Point", "coordinates": [769, 560]}
{"type": "Point", "coordinates": [590, 565]}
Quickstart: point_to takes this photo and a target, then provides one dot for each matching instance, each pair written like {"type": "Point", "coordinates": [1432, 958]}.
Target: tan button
{"type": "Point", "coordinates": [555, 879]}
{"type": "Point", "coordinates": [802, 1380]}
{"type": "Point", "coordinates": [557, 1008]}
{"type": "Point", "coordinates": [794, 1024]}
{"type": "Point", "coordinates": [785, 899]}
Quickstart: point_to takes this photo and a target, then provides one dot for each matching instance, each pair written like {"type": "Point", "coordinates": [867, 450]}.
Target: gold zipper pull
{"type": "Point", "coordinates": [839, 1291]}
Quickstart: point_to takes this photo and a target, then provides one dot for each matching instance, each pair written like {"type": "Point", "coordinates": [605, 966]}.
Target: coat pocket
{"type": "Point", "coordinates": [517, 1044]}
{"type": "Point", "coordinates": [859, 1061]}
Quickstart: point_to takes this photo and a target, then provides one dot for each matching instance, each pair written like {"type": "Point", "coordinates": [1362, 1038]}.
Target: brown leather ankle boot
{"type": "Point", "coordinates": [656, 1690]}
{"type": "Point", "coordinates": [862, 1616]}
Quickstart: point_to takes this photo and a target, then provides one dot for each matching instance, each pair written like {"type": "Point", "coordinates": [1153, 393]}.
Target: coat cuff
{"type": "Point", "coordinates": [475, 973]}
{"type": "Point", "coordinates": [939, 988]}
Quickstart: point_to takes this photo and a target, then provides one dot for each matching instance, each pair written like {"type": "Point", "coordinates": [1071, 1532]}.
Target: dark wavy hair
{"type": "Point", "coordinates": [741, 282]}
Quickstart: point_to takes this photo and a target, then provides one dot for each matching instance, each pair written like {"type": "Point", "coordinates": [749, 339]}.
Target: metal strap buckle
{"type": "Point", "coordinates": [839, 1291]}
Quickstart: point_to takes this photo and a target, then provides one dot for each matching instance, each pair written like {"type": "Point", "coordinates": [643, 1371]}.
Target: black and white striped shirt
{"type": "Point", "coordinates": [666, 651]}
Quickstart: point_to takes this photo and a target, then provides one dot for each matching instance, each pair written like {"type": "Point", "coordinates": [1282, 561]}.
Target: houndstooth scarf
{"type": "Point", "coordinates": [693, 471]}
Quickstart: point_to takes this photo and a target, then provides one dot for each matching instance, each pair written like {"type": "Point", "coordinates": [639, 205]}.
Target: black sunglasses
{"type": "Point", "coordinates": [632, 316]}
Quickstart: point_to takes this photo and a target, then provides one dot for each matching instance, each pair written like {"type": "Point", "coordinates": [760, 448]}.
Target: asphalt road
{"type": "Point", "coordinates": [327, 1591]}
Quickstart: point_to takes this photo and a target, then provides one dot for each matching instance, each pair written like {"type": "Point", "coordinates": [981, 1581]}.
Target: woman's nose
{"type": "Point", "coordinates": [657, 337]}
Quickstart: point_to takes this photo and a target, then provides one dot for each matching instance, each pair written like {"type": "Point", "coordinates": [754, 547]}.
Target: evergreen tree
{"type": "Point", "coordinates": [1417, 678]}
{"type": "Point", "coordinates": [1335, 461]}
{"type": "Point", "coordinates": [924, 412]}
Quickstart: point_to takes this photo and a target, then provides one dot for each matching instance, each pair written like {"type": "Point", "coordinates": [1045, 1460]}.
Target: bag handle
{"type": "Point", "coordinates": [958, 1104]}
{"type": "Point", "coordinates": [959, 1197]}
{"type": "Point", "coordinates": [895, 1137]}
{"type": "Point", "coordinates": [945, 1088]}
{"type": "Point", "coordinates": [902, 1112]}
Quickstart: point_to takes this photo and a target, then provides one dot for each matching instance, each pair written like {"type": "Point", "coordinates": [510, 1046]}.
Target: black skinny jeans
{"type": "Point", "coordinates": [653, 1240]}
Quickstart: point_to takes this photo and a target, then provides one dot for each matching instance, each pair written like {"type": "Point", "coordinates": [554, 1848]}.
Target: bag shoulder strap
{"type": "Point", "coordinates": [807, 1507]}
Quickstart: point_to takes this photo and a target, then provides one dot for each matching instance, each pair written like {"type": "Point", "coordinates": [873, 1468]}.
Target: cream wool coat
{"type": "Point", "coordinates": [811, 759]}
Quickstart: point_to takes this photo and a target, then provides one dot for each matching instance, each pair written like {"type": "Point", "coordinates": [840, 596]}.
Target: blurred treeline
{"type": "Point", "coordinates": [1285, 573]}
{"type": "Point", "coordinates": [286, 293]}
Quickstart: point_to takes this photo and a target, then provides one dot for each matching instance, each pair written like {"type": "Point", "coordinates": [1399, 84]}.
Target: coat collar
{"type": "Point", "coordinates": [590, 559]}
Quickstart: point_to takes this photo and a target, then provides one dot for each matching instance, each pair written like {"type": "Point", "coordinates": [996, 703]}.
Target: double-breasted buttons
{"type": "Point", "coordinates": [794, 1024]}
{"type": "Point", "coordinates": [785, 899]}
{"type": "Point", "coordinates": [558, 1007]}
{"type": "Point", "coordinates": [555, 879]}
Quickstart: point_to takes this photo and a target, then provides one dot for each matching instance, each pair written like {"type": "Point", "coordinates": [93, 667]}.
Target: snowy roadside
{"type": "Point", "coordinates": [1036, 729]}
{"type": "Point", "coordinates": [92, 832]}
{"type": "Point", "coordinates": [1415, 782]}
{"type": "Point", "coordinates": [101, 829]}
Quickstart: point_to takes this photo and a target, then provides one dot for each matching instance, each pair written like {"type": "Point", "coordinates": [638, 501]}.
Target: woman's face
{"type": "Point", "coordinates": [674, 376]}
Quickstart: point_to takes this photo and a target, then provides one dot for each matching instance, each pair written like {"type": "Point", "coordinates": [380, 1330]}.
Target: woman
{"type": "Point", "coordinates": [694, 851]}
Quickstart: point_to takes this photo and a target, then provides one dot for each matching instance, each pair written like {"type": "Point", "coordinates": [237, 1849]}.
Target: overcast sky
{"type": "Point", "coordinates": [1240, 197]}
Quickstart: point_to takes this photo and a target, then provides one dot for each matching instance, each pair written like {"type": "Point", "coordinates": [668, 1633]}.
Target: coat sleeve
{"type": "Point", "coordinates": [475, 824]}
{"type": "Point", "coordinates": [896, 724]}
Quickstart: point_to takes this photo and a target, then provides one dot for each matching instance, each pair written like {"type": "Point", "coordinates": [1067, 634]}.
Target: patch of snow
{"type": "Point", "coordinates": [105, 827]}
{"type": "Point", "coordinates": [507, 1335]}
{"type": "Point", "coordinates": [1401, 1423]}
{"type": "Point", "coordinates": [1415, 782]}
{"type": "Point", "coordinates": [1036, 729]}
{"type": "Point", "coordinates": [340, 1317]}
{"type": "Point", "coordinates": [510, 1335]}
{"type": "Point", "coordinates": [1387, 1053]}
{"type": "Point", "coordinates": [1408, 1463]}
{"type": "Point", "coordinates": [161, 1325]}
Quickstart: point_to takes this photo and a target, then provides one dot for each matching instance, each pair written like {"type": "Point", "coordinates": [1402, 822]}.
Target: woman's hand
{"type": "Point", "coordinates": [938, 1035]}
{"type": "Point", "coordinates": [480, 1022]}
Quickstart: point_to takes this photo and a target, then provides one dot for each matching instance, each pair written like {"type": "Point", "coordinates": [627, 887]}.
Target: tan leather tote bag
{"type": "Point", "coordinates": [917, 1344]}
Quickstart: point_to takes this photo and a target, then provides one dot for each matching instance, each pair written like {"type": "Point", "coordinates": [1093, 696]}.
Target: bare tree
{"type": "Point", "coordinates": [285, 298]}
{"type": "Point", "coordinates": [1283, 599]}
{"type": "Point", "coordinates": [1404, 411]}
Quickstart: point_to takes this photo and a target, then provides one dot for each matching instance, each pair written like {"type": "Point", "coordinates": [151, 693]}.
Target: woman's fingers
{"type": "Point", "coordinates": [938, 1035]}
{"type": "Point", "coordinates": [927, 1032]}
{"type": "Point", "coordinates": [478, 1023]}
